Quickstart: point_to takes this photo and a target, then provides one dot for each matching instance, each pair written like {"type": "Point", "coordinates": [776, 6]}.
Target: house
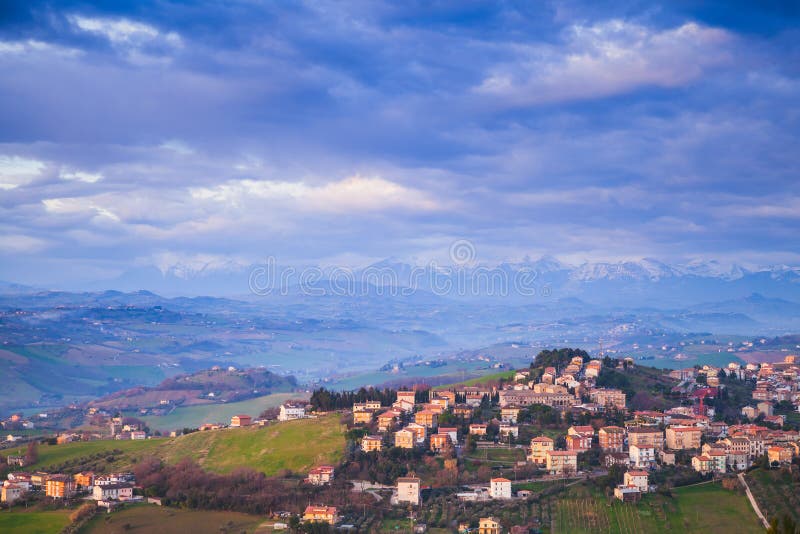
{"type": "Point", "coordinates": [321, 514]}
{"type": "Point", "coordinates": [500, 488]}
{"type": "Point", "coordinates": [450, 431]}
{"type": "Point", "coordinates": [11, 492]}
{"type": "Point", "coordinates": [363, 417]}
{"type": "Point", "coordinates": [440, 442]}
{"type": "Point", "coordinates": [509, 430]}
{"type": "Point", "coordinates": [489, 525]}
{"type": "Point", "coordinates": [636, 478]}
{"type": "Point", "coordinates": [292, 410]}
{"type": "Point", "coordinates": [442, 402]}
{"type": "Point", "coordinates": [683, 437]}
{"type": "Point", "coordinates": [84, 479]}
{"type": "Point", "coordinates": [420, 431]}
{"type": "Point", "coordinates": [408, 490]}
{"type": "Point", "coordinates": [463, 411]}
{"type": "Point", "coordinates": [610, 398]}
{"type": "Point", "coordinates": [539, 448]}
{"type": "Point", "coordinates": [612, 438]}
{"type": "Point", "coordinates": [60, 486]}
{"type": "Point", "coordinates": [477, 429]}
{"type": "Point", "coordinates": [702, 464]}
{"type": "Point", "coordinates": [408, 396]}
{"type": "Point", "coordinates": [646, 437]}
{"type": "Point", "coordinates": [404, 439]}
{"type": "Point", "coordinates": [426, 418]}
{"type": "Point", "coordinates": [120, 491]}
{"type": "Point", "coordinates": [627, 493]}
{"type": "Point", "coordinates": [527, 397]}
{"type": "Point", "coordinates": [642, 456]}
{"type": "Point", "coordinates": [578, 443]}
{"type": "Point", "coordinates": [15, 460]}
{"type": "Point", "coordinates": [781, 455]}
{"type": "Point", "coordinates": [241, 420]}
{"type": "Point", "coordinates": [403, 405]}
{"type": "Point", "coordinates": [371, 443]}
{"type": "Point", "coordinates": [321, 475]}
{"type": "Point", "coordinates": [509, 414]}
{"type": "Point", "coordinates": [386, 420]}
{"type": "Point", "coordinates": [138, 434]}
{"type": "Point", "coordinates": [562, 462]}
{"type": "Point", "coordinates": [666, 457]}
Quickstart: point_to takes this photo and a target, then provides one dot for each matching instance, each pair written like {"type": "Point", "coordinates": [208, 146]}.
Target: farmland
{"type": "Point", "coordinates": [702, 508]}
{"type": "Point", "coordinates": [157, 520]}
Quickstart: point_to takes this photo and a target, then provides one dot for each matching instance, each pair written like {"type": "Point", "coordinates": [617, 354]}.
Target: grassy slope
{"type": "Point", "coordinates": [295, 445]}
{"type": "Point", "coordinates": [157, 520]}
{"type": "Point", "coordinates": [194, 416]}
{"type": "Point", "coordinates": [775, 493]}
{"type": "Point", "coordinates": [17, 521]}
{"type": "Point", "coordinates": [697, 509]}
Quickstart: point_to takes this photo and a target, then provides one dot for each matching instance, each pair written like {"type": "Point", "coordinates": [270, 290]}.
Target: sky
{"type": "Point", "coordinates": [138, 133]}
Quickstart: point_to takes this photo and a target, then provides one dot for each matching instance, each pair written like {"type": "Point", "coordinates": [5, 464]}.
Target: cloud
{"type": "Point", "coordinates": [33, 46]}
{"type": "Point", "coordinates": [141, 43]}
{"type": "Point", "coordinates": [79, 206]}
{"type": "Point", "coordinates": [354, 193]}
{"type": "Point", "coordinates": [21, 243]}
{"type": "Point", "coordinates": [81, 176]}
{"type": "Point", "coordinates": [16, 171]}
{"type": "Point", "coordinates": [606, 59]}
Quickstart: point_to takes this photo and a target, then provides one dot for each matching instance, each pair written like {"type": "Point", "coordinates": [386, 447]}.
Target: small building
{"type": "Point", "coordinates": [408, 490]}
{"type": "Point", "coordinates": [781, 455]}
{"type": "Point", "coordinates": [509, 414]}
{"type": "Point", "coordinates": [562, 462]}
{"type": "Point", "coordinates": [321, 475]}
{"type": "Point", "coordinates": [540, 446]}
{"type": "Point", "coordinates": [439, 442]}
{"type": "Point", "coordinates": [489, 525]}
{"type": "Point", "coordinates": [84, 479]}
{"type": "Point", "coordinates": [241, 420]}
{"type": "Point", "coordinates": [371, 443]}
{"type": "Point", "coordinates": [321, 514]}
{"type": "Point", "coordinates": [450, 431]}
{"type": "Point", "coordinates": [426, 418]}
{"type": "Point", "coordinates": [60, 486]}
{"type": "Point", "coordinates": [638, 479]}
{"type": "Point", "coordinates": [642, 456]}
{"type": "Point", "coordinates": [627, 493]}
{"type": "Point", "coordinates": [404, 439]}
{"type": "Point", "coordinates": [612, 438]}
{"type": "Point", "coordinates": [500, 488]}
{"type": "Point", "coordinates": [363, 417]}
{"type": "Point", "coordinates": [121, 491]}
{"type": "Point", "coordinates": [477, 429]}
{"type": "Point", "coordinates": [11, 492]}
{"type": "Point", "coordinates": [292, 410]}
{"type": "Point", "coordinates": [683, 437]}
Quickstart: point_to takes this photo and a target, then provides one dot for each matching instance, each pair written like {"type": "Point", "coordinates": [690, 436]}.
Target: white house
{"type": "Point", "coordinates": [500, 488]}
{"type": "Point", "coordinates": [642, 456]}
{"type": "Point", "coordinates": [119, 492]}
{"type": "Point", "coordinates": [408, 490]}
{"type": "Point", "coordinates": [637, 479]}
{"type": "Point", "coordinates": [291, 410]}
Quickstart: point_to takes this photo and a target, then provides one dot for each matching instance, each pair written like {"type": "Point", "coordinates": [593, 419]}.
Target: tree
{"type": "Point", "coordinates": [32, 453]}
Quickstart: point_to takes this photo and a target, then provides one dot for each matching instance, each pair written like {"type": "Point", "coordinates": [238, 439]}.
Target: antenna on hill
{"type": "Point", "coordinates": [601, 347]}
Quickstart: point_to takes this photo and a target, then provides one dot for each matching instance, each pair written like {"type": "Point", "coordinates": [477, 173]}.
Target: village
{"type": "Point", "coordinates": [592, 432]}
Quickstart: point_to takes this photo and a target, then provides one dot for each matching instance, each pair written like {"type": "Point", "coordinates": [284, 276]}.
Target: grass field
{"type": "Point", "coordinates": [157, 520]}
{"type": "Point", "coordinates": [194, 416]}
{"type": "Point", "coordinates": [294, 445]}
{"type": "Point", "coordinates": [701, 509]}
{"type": "Point", "coordinates": [18, 521]}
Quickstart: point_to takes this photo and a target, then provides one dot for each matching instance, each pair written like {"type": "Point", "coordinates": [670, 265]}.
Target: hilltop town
{"type": "Point", "coordinates": [469, 457]}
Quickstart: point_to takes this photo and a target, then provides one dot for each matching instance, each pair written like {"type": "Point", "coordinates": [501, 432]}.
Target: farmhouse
{"type": "Point", "coordinates": [241, 420]}
{"type": "Point", "coordinates": [321, 475]}
{"type": "Point", "coordinates": [408, 490]}
{"type": "Point", "coordinates": [321, 514]}
{"type": "Point", "coordinates": [292, 410]}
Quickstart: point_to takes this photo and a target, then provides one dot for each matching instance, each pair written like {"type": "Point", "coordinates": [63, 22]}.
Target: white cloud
{"type": "Point", "coordinates": [80, 176]}
{"type": "Point", "coordinates": [16, 171]}
{"type": "Point", "coordinates": [353, 193]}
{"type": "Point", "coordinates": [32, 46]}
{"type": "Point", "coordinates": [79, 206]}
{"type": "Point", "coordinates": [21, 243]}
{"type": "Point", "coordinates": [607, 59]}
{"type": "Point", "coordinates": [177, 146]}
{"type": "Point", "coordinates": [135, 39]}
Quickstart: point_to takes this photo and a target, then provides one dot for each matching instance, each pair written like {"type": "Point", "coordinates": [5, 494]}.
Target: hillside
{"type": "Point", "coordinates": [294, 445]}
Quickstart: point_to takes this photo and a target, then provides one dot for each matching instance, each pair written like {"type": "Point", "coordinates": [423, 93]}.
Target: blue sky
{"type": "Point", "coordinates": [152, 133]}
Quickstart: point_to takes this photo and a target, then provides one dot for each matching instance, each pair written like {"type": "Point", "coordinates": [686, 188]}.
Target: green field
{"type": "Point", "coordinates": [194, 416]}
{"type": "Point", "coordinates": [699, 509]}
{"type": "Point", "coordinates": [294, 445]}
{"type": "Point", "coordinates": [152, 519]}
{"type": "Point", "coordinates": [18, 521]}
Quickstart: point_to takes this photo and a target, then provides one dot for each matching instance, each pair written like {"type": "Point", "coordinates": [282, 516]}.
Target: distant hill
{"type": "Point", "coordinates": [203, 387]}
